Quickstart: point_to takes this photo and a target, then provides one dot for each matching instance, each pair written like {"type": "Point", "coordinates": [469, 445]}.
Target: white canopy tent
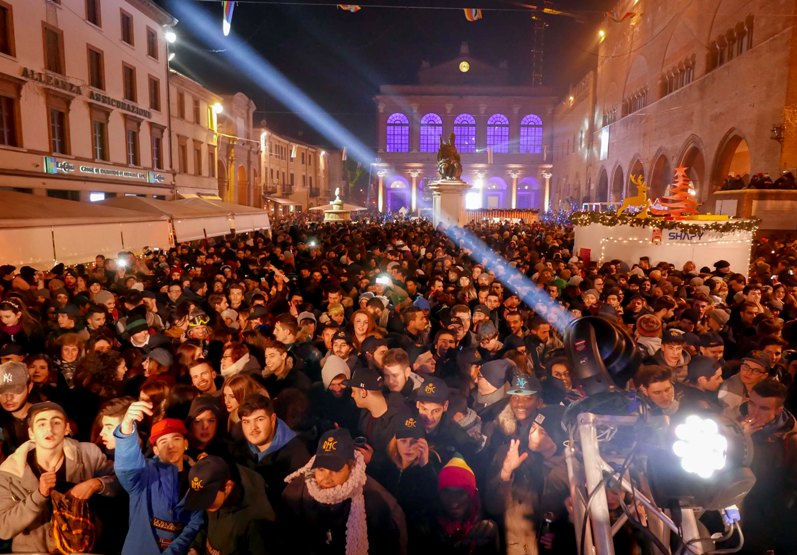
{"type": "Point", "coordinates": [197, 218]}
{"type": "Point", "coordinates": [40, 231]}
{"type": "Point", "coordinates": [246, 218]}
{"type": "Point", "coordinates": [191, 218]}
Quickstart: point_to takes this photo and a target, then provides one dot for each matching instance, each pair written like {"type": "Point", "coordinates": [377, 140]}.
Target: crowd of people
{"type": "Point", "coordinates": [365, 387]}
{"type": "Point", "coordinates": [760, 180]}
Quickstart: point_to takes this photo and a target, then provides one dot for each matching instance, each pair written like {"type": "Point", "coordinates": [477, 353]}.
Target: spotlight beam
{"type": "Point", "coordinates": [245, 59]}
{"type": "Point", "coordinates": [515, 281]}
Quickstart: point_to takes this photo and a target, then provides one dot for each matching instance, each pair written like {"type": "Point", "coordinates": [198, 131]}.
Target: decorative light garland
{"type": "Point", "coordinates": [644, 241]}
{"type": "Point", "coordinates": [611, 219]}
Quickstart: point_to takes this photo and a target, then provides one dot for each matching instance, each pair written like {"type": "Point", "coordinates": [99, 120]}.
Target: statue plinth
{"type": "Point", "coordinates": [448, 202]}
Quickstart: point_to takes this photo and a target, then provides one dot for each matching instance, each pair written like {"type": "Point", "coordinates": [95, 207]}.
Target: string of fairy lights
{"type": "Point", "coordinates": [611, 219]}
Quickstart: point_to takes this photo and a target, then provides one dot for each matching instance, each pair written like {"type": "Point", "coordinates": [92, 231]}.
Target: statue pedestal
{"type": "Point", "coordinates": [448, 202]}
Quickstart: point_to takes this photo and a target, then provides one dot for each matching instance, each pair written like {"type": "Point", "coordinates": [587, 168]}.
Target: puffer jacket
{"type": "Point", "coordinates": [157, 514]}
{"type": "Point", "coordinates": [25, 513]}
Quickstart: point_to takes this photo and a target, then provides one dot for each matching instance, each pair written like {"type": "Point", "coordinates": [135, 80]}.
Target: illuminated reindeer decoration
{"type": "Point", "coordinates": [640, 199]}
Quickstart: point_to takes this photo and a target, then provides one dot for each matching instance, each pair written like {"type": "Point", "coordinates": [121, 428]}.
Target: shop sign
{"type": "Point", "coordinates": [54, 166]}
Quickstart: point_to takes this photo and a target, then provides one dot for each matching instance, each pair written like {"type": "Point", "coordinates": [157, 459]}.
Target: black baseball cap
{"type": "Point", "coordinates": [409, 427]}
{"type": "Point", "coordinates": [432, 390]}
{"type": "Point", "coordinates": [365, 378]}
{"type": "Point", "coordinates": [673, 336]}
{"type": "Point", "coordinates": [205, 479]}
{"type": "Point", "coordinates": [335, 449]}
{"type": "Point", "coordinates": [342, 336]}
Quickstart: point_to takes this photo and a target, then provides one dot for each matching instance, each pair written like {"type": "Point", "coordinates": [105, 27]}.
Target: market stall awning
{"type": "Point", "coordinates": [246, 218]}
{"type": "Point", "coordinates": [192, 219]}
{"type": "Point", "coordinates": [197, 218]}
{"type": "Point", "coordinates": [40, 231]}
{"type": "Point", "coordinates": [282, 201]}
{"type": "Point", "coordinates": [190, 194]}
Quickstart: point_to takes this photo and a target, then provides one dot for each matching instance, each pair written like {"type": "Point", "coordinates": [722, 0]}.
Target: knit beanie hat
{"type": "Point", "coordinates": [334, 366]}
{"type": "Point", "coordinates": [457, 474]}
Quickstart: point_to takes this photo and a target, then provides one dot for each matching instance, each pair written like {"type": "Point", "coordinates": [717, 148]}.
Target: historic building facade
{"type": "Point", "coordinates": [503, 134]}
{"type": "Point", "coordinates": [83, 88]}
{"type": "Point", "coordinates": [295, 174]}
{"type": "Point", "coordinates": [195, 115]}
{"type": "Point", "coordinates": [707, 84]}
{"type": "Point", "coordinates": [90, 109]}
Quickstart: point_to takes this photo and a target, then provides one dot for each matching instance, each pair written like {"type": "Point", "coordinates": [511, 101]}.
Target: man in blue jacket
{"type": "Point", "coordinates": [159, 522]}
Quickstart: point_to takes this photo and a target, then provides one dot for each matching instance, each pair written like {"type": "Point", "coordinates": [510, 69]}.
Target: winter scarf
{"type": "Point", "coordinates": [235, 367]}
{"type": "Point", "coordinates": [356, 525]}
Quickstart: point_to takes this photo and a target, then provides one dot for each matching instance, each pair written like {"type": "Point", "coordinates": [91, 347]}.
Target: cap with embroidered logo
{"type": "Point", "coordinates": [432, 390]}
{"type": "Point", "coordinates": [335, 449]}
{"type": "Point", "coordinates": [409, 427]}
{"type": "Point", "coordinates": [205, 479]}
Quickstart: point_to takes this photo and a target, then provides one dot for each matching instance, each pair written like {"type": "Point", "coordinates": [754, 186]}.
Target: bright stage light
{"type": "Point", "coordinates": [170, 36]}
{"type": "Point", "coordinates": [218, 108]}
{"type": "Point", "coordinates": [701, 447]}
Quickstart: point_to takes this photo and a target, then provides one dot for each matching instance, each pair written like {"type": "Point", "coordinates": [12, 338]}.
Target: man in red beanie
{"type": "Point", "coordinates": [159, 522]}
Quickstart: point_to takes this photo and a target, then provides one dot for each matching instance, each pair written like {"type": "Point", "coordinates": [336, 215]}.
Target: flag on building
{"type": "Point", "coordinates": [489, 155]}
{"type": "Point", "coordinates": [293, 152]}
{"type": "Point", "coordinates": [226, 23]}
{"type": "Point", "coordinates": [353, 8]}
{"type": "Point", "coordinates": [472, 14]}
{"type": "Point", "coordinates": [343, 155]}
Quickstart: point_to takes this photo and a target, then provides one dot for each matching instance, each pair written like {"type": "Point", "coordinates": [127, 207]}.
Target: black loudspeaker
{"type": "Point", "coordinates": [602, 354]}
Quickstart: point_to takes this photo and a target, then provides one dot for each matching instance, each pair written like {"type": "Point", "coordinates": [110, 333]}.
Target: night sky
{"type": "Point", "coordinates": [340, 59]}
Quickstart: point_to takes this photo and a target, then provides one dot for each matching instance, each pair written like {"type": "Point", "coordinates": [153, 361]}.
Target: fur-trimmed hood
{"type": "Point", "coordinates": [507, 422]}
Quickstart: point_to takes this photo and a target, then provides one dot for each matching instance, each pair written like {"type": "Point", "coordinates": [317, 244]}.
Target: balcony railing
{"type": "Point", "coordinates": [315, 192]}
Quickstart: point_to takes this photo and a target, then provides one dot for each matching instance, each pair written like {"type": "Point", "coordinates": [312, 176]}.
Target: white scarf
{"type": "Point", "coordinates": [356, 525]}
{"type": "Point", "coordinates": [235, 367]}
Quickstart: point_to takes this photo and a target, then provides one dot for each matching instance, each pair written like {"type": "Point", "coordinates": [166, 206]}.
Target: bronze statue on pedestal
{"type": "Point", "coordinates": [449, 164]}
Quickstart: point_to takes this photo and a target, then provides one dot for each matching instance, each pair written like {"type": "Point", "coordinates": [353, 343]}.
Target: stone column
{"type": "Point", "coordinates": [514, 175]}
{"type": "Point", "coordinates": [380, 203]}
{"type": "Point", "coordinates": [545, 174]}
{"type": "Point", "coordinates": [414, 191]}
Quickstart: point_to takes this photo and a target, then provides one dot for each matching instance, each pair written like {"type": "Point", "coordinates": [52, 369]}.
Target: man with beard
{"type": "Point", "coordinates": [331, 399]}
{"type": "Point", "coordinates": [270, 448]}
{"type": "Point", "coordinates": [527, 474]}
{"type": "Point", "coordinates": [204, 377]}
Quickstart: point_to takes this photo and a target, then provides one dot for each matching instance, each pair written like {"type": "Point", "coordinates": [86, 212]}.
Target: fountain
{"type": "Point", "coordinates": [337, 213]}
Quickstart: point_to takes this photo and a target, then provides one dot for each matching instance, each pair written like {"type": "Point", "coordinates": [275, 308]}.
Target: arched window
{"type": "Point", "coordinates": [398, 133]}
{"type": "Point", "coordinates": [531, 134]}
{"type": "Point", "coordinates": [431, 129]}
{"type": "Point", "coordinates": [465, 131]}
{"type": "Point", "coordinates": [498, 133]}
